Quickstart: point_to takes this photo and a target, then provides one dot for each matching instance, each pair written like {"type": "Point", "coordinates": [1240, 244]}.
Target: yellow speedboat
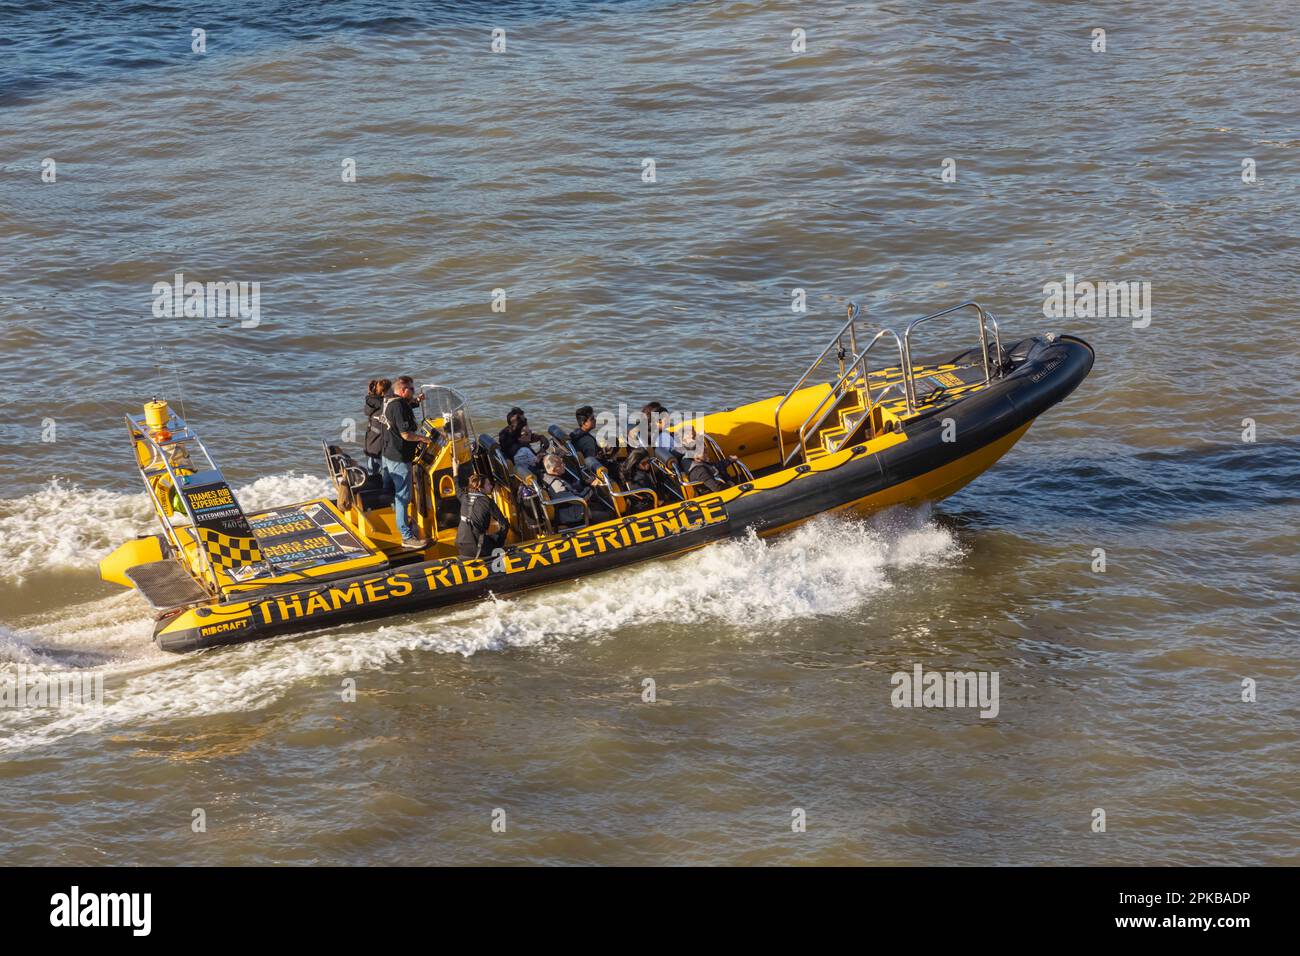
{"type": "Point", "coordinates": [857, 439]}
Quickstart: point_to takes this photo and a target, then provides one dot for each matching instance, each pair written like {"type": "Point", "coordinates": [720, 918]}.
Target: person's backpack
{"type": "Point", "coordinates": [376, 429]}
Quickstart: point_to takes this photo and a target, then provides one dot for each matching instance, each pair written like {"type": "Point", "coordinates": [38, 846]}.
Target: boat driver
{"type": "Point", "coordinates": [400, 443]}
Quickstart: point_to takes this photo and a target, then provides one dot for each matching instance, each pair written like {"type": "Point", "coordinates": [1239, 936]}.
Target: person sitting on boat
{"type": "Point", "coordinates": [508, 438]}
{"type": "Point", "coordinates": [639, 474]}
{"type": "Point", "coordinates": [400, 443]}
{"type": "Point", "coordinates": [654, 419]}
{"type": "Point", "coordinates": [695, 463]}
{"type": "Point", "coordinates": [483, 527]}
{"type": "Point", "coordinates": [584, 442]}
{"type": "Point", "coordinates": [373, 443]}
{"type": "Point", "coordinates": [558, 483]}
{"type": "Point", "coordinates": [525, 459]}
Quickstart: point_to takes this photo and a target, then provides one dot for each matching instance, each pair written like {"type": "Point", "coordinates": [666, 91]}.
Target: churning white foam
{"type": "Point", "coordinates": [826, 567]}
{"type": "Point", "coordinates": [112, 629]}
{"type": "Point", "coordinates": [65, 529]}
{"type": "Point", "coordinates": [66, 526]}
{"type": "Point", "coordinates": [63, 526]}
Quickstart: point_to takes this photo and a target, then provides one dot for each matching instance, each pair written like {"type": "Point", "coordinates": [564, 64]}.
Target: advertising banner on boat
{"type": "Point", "coordinates": [303, 537]}
{"type": "Point", "coordinates": [214, 507]}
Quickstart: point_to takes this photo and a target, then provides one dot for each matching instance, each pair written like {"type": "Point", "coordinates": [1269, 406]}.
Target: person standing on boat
{"type": "Point", "coordinates": [482, 525]}
{"type": "Point", "coordinates": [375, 430]}
{"type": "Point", "coordinates": [400, 443]}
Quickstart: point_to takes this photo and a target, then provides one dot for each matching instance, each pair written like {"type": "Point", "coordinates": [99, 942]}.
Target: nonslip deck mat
{"type": "Point", "coordinates": [165, 584]}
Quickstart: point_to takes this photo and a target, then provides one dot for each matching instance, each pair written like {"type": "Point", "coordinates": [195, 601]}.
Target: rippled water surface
{"type": "Point", "coordinates": [772, 659]}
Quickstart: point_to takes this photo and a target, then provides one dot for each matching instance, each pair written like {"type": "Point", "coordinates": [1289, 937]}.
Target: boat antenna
{"type": "Point", "coordinates": [451, 437]}
{"type": "Point", "coordinates": [180, 394]}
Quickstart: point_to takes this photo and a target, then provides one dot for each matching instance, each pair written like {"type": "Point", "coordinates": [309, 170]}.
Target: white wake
{"type": "Point", "coordinates": [826, 567]}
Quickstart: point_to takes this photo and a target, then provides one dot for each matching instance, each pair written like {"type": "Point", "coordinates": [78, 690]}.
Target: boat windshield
{"type": "Point", "coordinates": [445, 408]}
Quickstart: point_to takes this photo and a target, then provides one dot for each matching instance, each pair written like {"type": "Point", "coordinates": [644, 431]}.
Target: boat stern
{"type": "Point", "coordinates": [145, 549]}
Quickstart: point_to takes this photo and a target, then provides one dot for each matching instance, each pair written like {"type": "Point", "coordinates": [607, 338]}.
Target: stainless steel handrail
{"type": "Point", "coordinates": [616, 495]}
{"type": "Point", "coordinates": [553, 502]}
{"type": "Point", "coordinates": [837, 340]}
{"type": "Point", "coordinates": [723, 459]}
{"type": "Point", "coordinates": [984, 345]}
{"type": "Point", "coordinates": [905, 367]}
{"type": "Point", "coordinates": [540, 517]}
{"type": "Point", "coordinates": [173, 537]}
{"type": "Point", "coordinates": [849, 376]}
{"type": "Point", "coordinates": [997, 337]}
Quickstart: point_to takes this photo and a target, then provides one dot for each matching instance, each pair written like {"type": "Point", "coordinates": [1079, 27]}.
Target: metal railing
{"type": "Point", "coordinates": [337, 462]}
{"type": "Point", "coordinates": [984, 318]}
{"type": "Point", "coordinates": [725, 462]}
{"type": "Point", "coordinates": [849, 378]}
{"type": "Point", "coordinates": [849, 374]}
{"type": "Point", "coordinates": [139, 431]}
{"type": "Point", "coordinates": [837, 342]}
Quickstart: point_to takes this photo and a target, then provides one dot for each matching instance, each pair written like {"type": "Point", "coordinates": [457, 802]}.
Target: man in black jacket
{"type": "Point", "coordinates": [508, 439]}
{"type": "Point", "coordinates": [583, 441]}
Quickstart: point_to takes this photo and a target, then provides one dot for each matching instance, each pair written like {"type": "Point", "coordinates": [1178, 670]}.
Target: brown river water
{"type": "Point", "coordinates": [822, 169]}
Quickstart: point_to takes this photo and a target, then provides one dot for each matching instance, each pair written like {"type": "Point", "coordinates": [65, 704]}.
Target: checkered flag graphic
{"type": "Point", "coordinates": [227, 551]}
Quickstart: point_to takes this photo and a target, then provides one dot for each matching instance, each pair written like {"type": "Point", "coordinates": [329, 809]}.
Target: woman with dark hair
{"type": "Point", "coordinates": [374, 440]}
{"type": "Point", "coordinates": [482, 525]}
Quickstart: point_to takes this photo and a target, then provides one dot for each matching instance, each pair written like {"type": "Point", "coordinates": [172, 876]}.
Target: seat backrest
{"type": "Point", "coordinates": [564, 448]}
{"type": "Point", "coordinates": [562, 439]}
{"type": "Point", "coordinates": [488, 455]}
{"type": "Point", "coordinates": [613, 490]}
{"type": "Point", "coordinates": [669, 476]}
{"type": "Point", "coordinates": [529, 497]}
